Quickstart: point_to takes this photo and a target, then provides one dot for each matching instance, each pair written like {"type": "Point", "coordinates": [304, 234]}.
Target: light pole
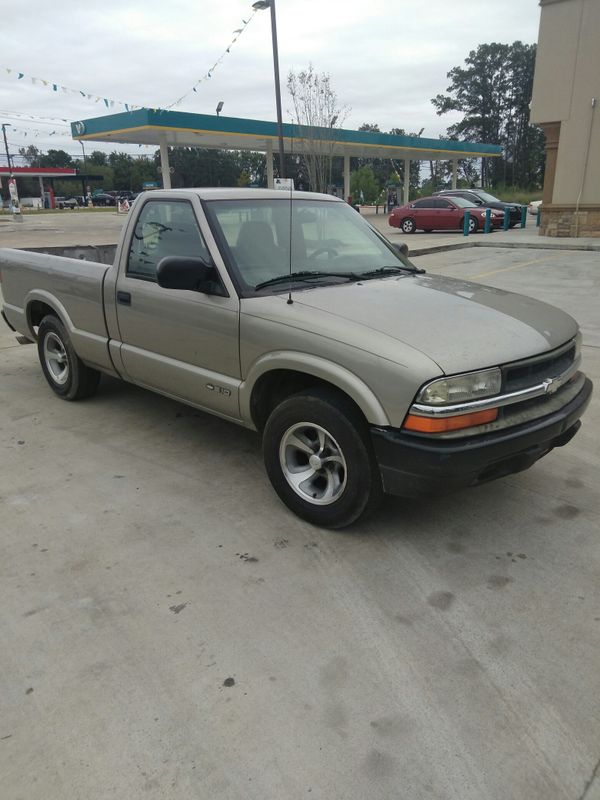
{"type": "Point", "coordinates": [12, 183]}
{"type": "Point", "coordinates": [261, 5]}
{"type": "Point", "coordinates": [220, 107]}
{"type": "Point", "coordinates": [84, 170]}
{"type": "Point", "coordinates": [4, 127]}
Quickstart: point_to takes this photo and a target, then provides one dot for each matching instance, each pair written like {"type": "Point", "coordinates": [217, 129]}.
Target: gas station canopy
{"type": "Point", "coordinates": [179, 129]}
{"type": "Point", "coordinates": [38, 172]}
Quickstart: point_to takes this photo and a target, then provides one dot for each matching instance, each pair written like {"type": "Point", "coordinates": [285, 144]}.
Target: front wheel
{"type": "Point", "coordinates": [319, 458]}
{"type": "Point", "coordinates": [408, 225]}
{"type": "Point", "coordinates": [66, 373]}
{"type": "Point", "coordinates": [473, 225]}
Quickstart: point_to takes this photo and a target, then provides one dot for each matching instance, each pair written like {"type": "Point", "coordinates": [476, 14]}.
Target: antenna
{"type": "Point", "coordinates": [289, 300]}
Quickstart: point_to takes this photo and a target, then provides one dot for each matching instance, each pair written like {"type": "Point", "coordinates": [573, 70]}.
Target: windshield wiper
{"type": "Point", "coordinates": [377, 273]}
{"type": "Point", "coordinates": [304, 275]}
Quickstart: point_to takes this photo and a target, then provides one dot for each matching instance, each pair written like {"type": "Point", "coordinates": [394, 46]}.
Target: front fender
{"type": "Point", "coordinates": [321, 368]}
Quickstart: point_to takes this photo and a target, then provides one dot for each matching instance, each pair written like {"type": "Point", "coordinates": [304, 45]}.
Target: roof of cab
{"type": "Point", "coordinates": [206, 193]}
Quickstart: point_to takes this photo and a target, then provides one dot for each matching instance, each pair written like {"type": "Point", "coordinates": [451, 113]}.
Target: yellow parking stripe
{"type": "Point", "coordinates": [509, 269]}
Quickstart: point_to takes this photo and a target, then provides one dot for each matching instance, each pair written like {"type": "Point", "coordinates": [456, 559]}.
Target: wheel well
{"type": "Point", "coordinates": [36, 311]}
{"type": "Point", "coordinates": [275, 386]}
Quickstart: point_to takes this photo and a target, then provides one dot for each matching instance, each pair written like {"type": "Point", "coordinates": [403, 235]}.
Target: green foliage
{"type": "Point", "coordinates": [363, 180]}
{"type": "Point", "coordinates": [97, 158]}
{"type": "Point", "coordinates": [386, 170]}
{"type": "Point", "coordinates": [143, 170]}
{"type": "Point", "coordinates": [516, 194]}
{"type": "Point", "coordinates": [121, 164]}
{"type": "Point", "coordinates": [493, 92]}
{"type": "Point", "coordinates": [56, 158]}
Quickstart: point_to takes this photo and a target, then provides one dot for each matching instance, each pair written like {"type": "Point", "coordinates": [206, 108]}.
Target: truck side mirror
{"type": "Point", "coordinates": [183, 272]}
{"type": "Point", "coordinates": [401, 248]}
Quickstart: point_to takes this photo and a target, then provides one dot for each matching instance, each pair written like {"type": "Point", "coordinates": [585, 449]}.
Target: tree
{"type": "Point", "coordinates": [387, 170]}
{"type": "Point", "coordinates": [316, 112]}
{"type": "Point", "coordinates": [56, 158]}
{"type": "Point", "coordinates": [143, 170]}
{"type": "Point", "coordinates": [97, 158]}
{"type": "Point", "coordinates": [364, 186]}
{"type": "Point", "coordinates": [31, 155]}
{"type": "Point", "coordinates": [493, 92]}
{"type": "Point", "coordinates": [121, 164]}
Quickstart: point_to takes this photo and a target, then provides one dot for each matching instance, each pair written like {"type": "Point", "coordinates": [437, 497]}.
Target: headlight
{"type": "Point", "coordinates": [461, 388]}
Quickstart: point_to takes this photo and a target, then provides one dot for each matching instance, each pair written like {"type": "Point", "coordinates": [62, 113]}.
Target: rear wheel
{"type": "Point", "coordinates": [319, 458]}
{"type": "Point", "coordinates": [66, 373]}
{"type": "Point", "coordinates": [408, 225]}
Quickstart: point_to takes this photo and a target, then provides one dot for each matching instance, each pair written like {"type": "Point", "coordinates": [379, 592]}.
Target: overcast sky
{"type": "Point", "coordinates": [386, 60]}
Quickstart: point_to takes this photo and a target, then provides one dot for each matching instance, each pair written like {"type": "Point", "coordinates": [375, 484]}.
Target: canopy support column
{"type": "Point", "coordinates": [164, 162]}
{"type": "Point", "coordinates": [346, 177]}
{"type": "Point", "coordinates": [270, 181]}
{"type": "Point", "coordinates": [41, 181]}
{"type": "Point", "coordinates": [406, 197]}
{"type": "Point", "coordinates": [455, 174]}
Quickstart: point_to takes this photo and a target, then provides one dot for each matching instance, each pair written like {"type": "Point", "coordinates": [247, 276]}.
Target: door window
{"type": "Point", "coordinates": [424, 204]}
{"type": "Point", "coordinates": [164, 228]}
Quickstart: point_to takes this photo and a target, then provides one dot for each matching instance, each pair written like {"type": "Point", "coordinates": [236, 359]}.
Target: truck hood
{"type": "Point", "coordinates": [460, 325]}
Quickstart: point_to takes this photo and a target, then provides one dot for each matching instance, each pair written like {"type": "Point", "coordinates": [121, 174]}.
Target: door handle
{"type": "Point", "coordinates": [124, 298]}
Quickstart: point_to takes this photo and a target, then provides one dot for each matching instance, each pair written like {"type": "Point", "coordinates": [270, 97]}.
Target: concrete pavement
{"type": "Point", "coordinates": [169, 630]}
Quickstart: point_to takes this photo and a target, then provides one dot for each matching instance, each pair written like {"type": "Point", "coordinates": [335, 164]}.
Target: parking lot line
{"type": "Point", "coordinates": [509, 269]}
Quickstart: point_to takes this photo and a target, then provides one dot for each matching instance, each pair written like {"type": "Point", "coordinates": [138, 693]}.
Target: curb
{"type": "Point", "coordinates": [442, 248]}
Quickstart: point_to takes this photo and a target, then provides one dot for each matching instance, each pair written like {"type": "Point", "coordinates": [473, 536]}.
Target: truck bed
{"type": "Point", "coordinates": [71, 287]}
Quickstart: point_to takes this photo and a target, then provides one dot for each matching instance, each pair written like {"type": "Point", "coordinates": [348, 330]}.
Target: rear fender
{"type": "Point", "coordinates": [91, 348]}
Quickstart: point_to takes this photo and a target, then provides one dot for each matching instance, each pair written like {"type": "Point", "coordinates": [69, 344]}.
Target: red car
{"type": "Point", "coordinates": [440, 213]}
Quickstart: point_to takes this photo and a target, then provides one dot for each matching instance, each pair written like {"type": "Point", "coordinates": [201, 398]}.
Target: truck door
{"type": "Point", "coordinates": [182, 343]}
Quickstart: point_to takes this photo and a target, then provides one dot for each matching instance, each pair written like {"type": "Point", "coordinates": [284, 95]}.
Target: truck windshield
{"type": "Point", "coordinates": [326, 236]}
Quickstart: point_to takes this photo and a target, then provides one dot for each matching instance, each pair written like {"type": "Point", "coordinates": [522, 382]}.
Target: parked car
{"type": "Point", "coordinates": [103, 199]}
{"type": "Point", "coordinates": [480, 198]}
{"type": "Point", "coordinates": [363, 374]}
{"type": "Point", "coordinates": [125, 195]}
{"type": "Point", "coordinates": [440, 213]}
{"type": "Point", "coordinates": [533, 207]}
{"type": "Point", "coordinates": [66, 202]}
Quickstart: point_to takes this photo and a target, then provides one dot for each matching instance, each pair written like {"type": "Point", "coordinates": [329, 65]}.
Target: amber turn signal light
{"type": "Point", "coordinates": [444, 424]}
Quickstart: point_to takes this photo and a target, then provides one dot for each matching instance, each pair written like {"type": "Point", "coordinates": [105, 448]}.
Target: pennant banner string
{"type": "Point", "coordinates": [111, 103]}
{"type": "Point", "coordinates": [60, 122]}
{"type": "Point", "coordinates": [208, 74]}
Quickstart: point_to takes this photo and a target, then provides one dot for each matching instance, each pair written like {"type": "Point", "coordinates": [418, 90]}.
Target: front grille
{"type": "Point", "coordinates": [535, 371]}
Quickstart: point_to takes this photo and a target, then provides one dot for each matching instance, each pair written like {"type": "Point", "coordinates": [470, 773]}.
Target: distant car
{"type": "Point", "coordinates": [440, 213]}
{"type": "Point", "coordinates": [103, 199]}
{"type": "Point", "coordinates": [533, 207]}
{"type": "Point", "coordinates": [66, 202]}
{"type": "Point", "coordinates": [481, 198]}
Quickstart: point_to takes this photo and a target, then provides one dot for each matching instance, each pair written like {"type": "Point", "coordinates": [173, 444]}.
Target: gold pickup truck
{"type": "Point", "coordinates": [291, 315]}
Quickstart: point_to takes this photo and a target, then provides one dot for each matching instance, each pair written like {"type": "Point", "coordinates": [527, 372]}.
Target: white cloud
{"type": "Point", "coordinates": [386, 60]}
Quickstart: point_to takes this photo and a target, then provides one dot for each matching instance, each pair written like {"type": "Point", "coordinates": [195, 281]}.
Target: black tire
{"type": "Point", "coordinates": [473, 225]}
{"type": "Point", "coordinates": [65, 372]}
{"type": "Point", "coordinates": [408, 225]}
{"type": "Point", "coordinates": [352, 468]}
